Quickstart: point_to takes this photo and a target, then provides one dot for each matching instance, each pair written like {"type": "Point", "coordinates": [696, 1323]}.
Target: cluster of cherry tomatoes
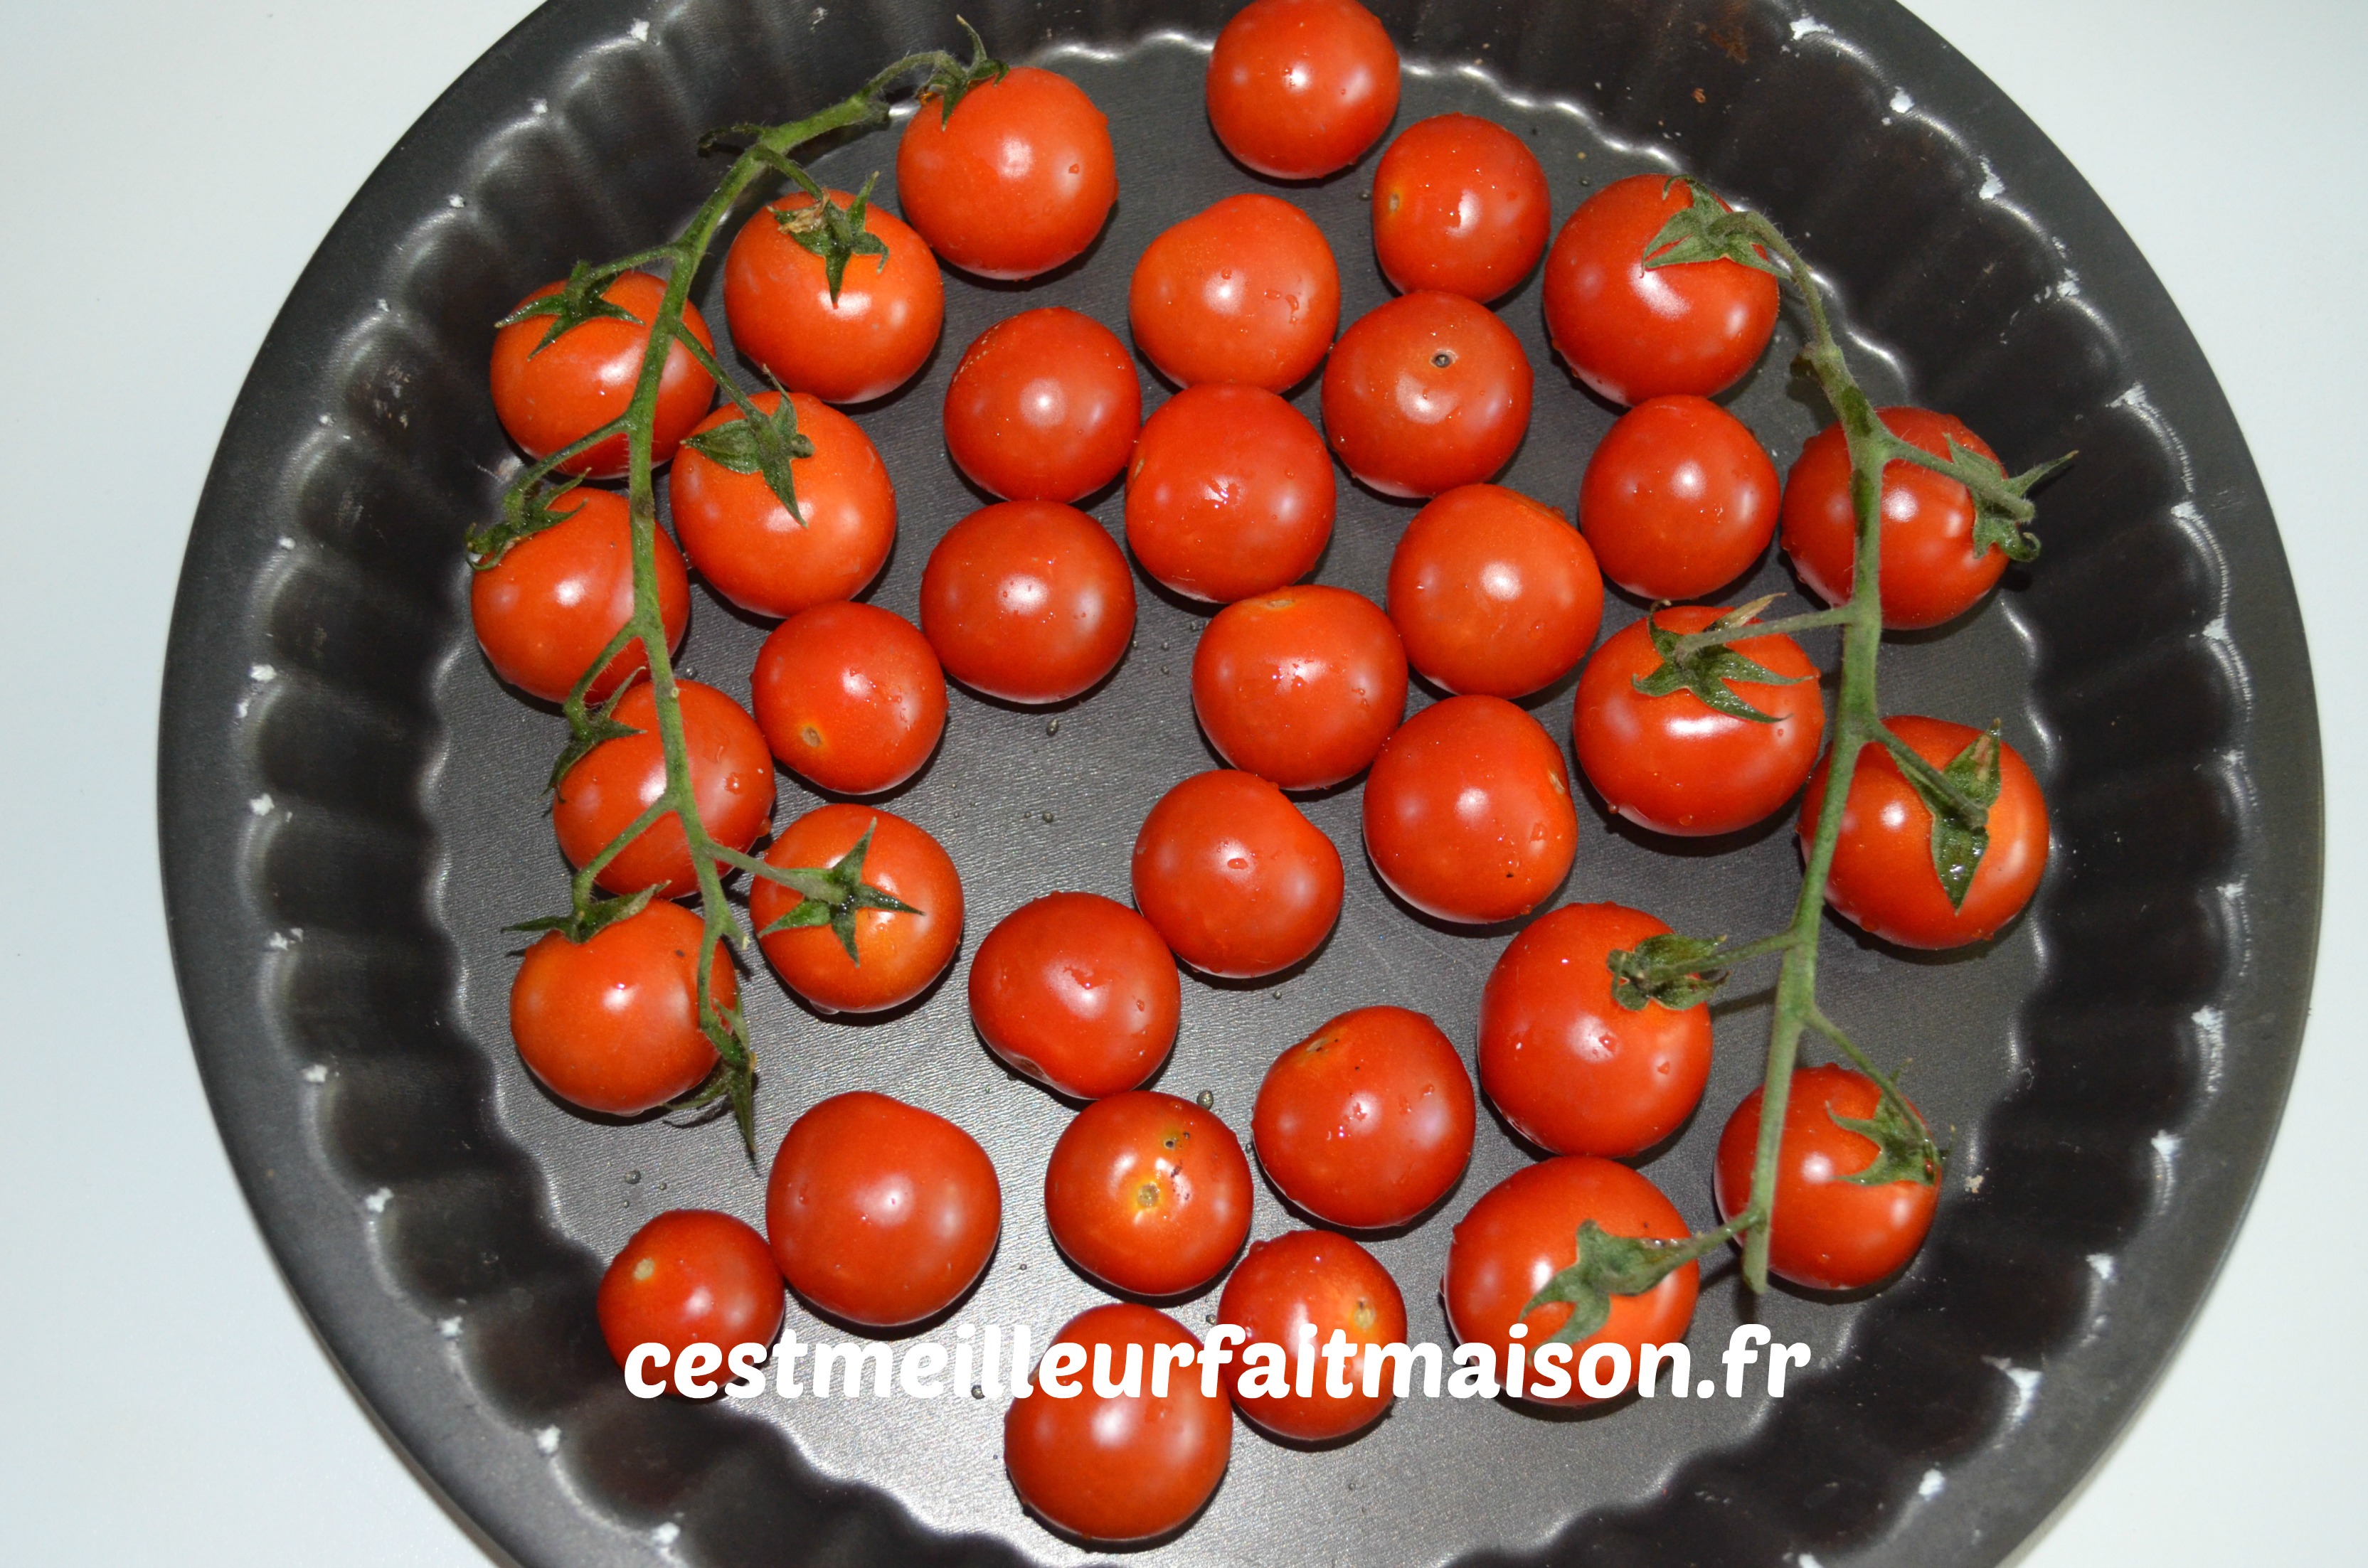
{"type": "Point", "coordinates": [881, 1214]}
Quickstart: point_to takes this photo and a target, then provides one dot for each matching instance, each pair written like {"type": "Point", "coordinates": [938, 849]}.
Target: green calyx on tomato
{"type": "Point", "coordinates": [1995, 526]}
{"type": "Point", "coordinates": [1959, 797]}
{"type": "Point", "coordinates": [830, 232]}
{"type": "Point", "coordinates": [1903, 1148]}
{"type": "Point", "coordinates": [1706, 671]}
{"type": "Point", "coordinates": [526, 512]}
{"type": "Point", "coordinates": [948, 80]}
{"type": "Point", "coordinates": [830, 896]}
{"type": "Point", "coordinates": [589, 732]}
{"type": "Point", "coordinates": [1610, 1266]}
{"type": "Point", "coordinates": [760, 443]}
{"type": "Point", "coordinates": [579, 300]}
{"type": "Point", "coordinates": [1674, 969]}
{"type": "Point", "coordinates": [1706, 229]}
{"type": "Point", "coordinates": [583, 922]}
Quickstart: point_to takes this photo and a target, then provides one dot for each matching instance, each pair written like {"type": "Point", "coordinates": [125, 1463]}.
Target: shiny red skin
{"type": "Point", "coordinates": [1148, 1193]}
{"type": "Point", "coordinates": [1230, 493]}
{"type": "Point", "coordinates": [1674, 763]}
{"type": "Point", "coordinates": [1017, 180]}
{"type": "Point", "coordinates": [1246, 290]}
{"type": "Point", "coordinates": [851, 697]}
{"type": "Point", "coordinates": [1883, 881]}
{"type": "Point", "coordinates": [880, 1213]}
{"type": "Point", "coordinates": [1460, 204]}
{"type": "Point", "coordinates": [1043, 406]}
{"type": "Point", "coordinates": [1407, 424]}
{"type": "Point", "coordinates": [1525, 1230]}
{"type": "Point", "coordinates": [585, 379]}
{"type": "Point", "coordinates": [1679, 500]}
{"type": "Point", "coordinates": [1829, 1233]}
{"type": "Point", "coordinates": [1367, 1121]}
{"type": "Point", "coordinates": [1575, 1072]}
{"type": "Point", "coordinates": [690, 1277]}
{"type": "Point", "coordinates": [1119, 1468]}
{"type": "Point", "coordinates": [1633, 335]}
{"type": "Point", "coordinates": [1078, 992]}
{"type": "Point", "coordinates": [1030, 601]}
{"type": "Point", "coordinates": [1493, 593]}
{"type": "Point", "coordinates": [1468, 814]}
{"type": "Point", "coordinates": [862, 345]}
{"type": "Point", "coordinates": [1237, 881]}
{"type": "Point", "coordinates": [731, 785]}
{"type": "Point", "coordinates": [901, 953]}
{"type": "Point", "coordinates": [543, 612]}
{"type": "Point", "coordinates": [612, 1024]}
{"type": "Point", "coordinates": [1304, 1280]}
{"type": "Point", "coordinates": [1930, 574]}
{"type": "Point", "coordinates": [751, 550]}
{"type": "Point", "coordinates": [1299, 687]}
{"type": "Point", "coordinates": [1300, 88]}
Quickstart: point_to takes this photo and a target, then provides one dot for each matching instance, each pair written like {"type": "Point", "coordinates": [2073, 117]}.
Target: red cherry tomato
{"type": "Point", "coordinates": [851, 697]}
{"type": "Point", "coordinates": [1230, 493]}
{"type": "Point", "coordinates": [1029, 601]}
{"type": "Point", "coordinates": [1525, 1230]}
{"type": "Point", "coordinates": [1016, 181]}
{"type": "Point", "coordinates": [1495, 593]}
{"type": "Point", "coordinates": [547, 397]}
{"type": "Point", "coordinates": [1148, 1193]}
{"type": "Point", "coordinates": [1234, 877]}
{"type": "Point", "coordinates": [862, 345]}
{"type": "Point", "coordinates": [1829, 1233]}
{"type": "Point", "coordinates": [1303, 1288]}
{"type": "Point", "coordinates": [1883, 881]}
{"type": "Point", "coordinates": [1468, 815]}
{"type": "Point", "coordinates": [1427, 392]}
{"type": "Point", "coordinates": [731, 784]}
{"type": "Point", "coordinates": [1460, 204]}
{"type": "Point", "coordinates": [1300, 88]}
{"type": "Point", "coordinates": [1078, 992]}
{"type": "Point", "coordinates": [612, 1024]}
{"type": "Point", "coordinates": [1043, 406]}
{"type": "Point", "coordinates": [880, 1213]}
{"type": "Point", "coordinates": [1367, 1121]}
{"type": "Point", "coordinates": [1676, 765]}
{"type": "Point", "coordinates": [1574, 1071]}
{"type": "Point", "coordinates": [1243, 292]}
{"type": "Point", "coordinates": [1299, 687]}
{"type": "Point", "coordinates": [546, 609]}
{"type": "Point", "coordinates": [1679, 499]}
{"type": "Point", "coordinates": [1123, 1467]}
{"type": "Point", "coordinates": [690, 1277]}
{"type": "Point", "coordinates": [1631, 334]}
{"type": "Point", "coordinates": [1930, 571]}
{"type": "Point", "coordinates": [897, 953]}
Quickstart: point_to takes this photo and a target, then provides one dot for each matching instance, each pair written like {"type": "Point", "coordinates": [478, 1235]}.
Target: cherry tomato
{"type": "Point", "coordinates": [1679, 499]}
{"type": "Point", "coordinates": [1367, 1121]}
{"type": "Point", "coordinates": [1460, 204]}
{"type": "Point", "coordinates": [1029, 601]}
{"type": "Point", "coordinates": [897, 953]}
{"type": "Point", "coordinates": [1830, 1232]}
{"type": "Point", "coordinates": [1632, 334]}
{"type": "Point", "coordinates": [1302, 1288]}
{"type": "Point", "coordinates": [1676, 765]}
{"type": "Point", "coordinates": [851, 697]}
{"type": "Point", "coordinates": [862, 345]}
{"type": "Point", "coordinates": [1234, 877]}
{"type": "Point", "coordinates": [1300, 88]}
{"type": "Point", "coordinates": [1148, 1193]}
{"type": "Point", "coordinates": [690, 1277]}
{"type": "Point", "coordinates": [1525, 1230]}
{"type": "Point", "coordinates": [1299, 687]}
{"type": "Point", "coordinates": [1573, 1069]}
{"type": "Point", "coordinates": [1468, 814]}
{"type": "Point", "coordinates": [1078, 992]}
{"type": "Point", "coordinates": [1230, 493]}
{"type": "Point", "coordinates": [546, 609]}
{"type": "Point", "coordinates": [1930, 571]}
{"type": "Point", "coordinates": [745, 543]}
{"type": "Point", "coordinates": [1246, 290]}
{"type": "Point", "coordinates": [547, 397]}
{"type": "Point", "coordinates": [612, 1024]}
{"type": "Point", "coordinates": [1427, 392]}
{"type": "Point", "coordinates": [1883, 881]}
{"type": "Point", "coordinates": [1043, 406]}
{"type": "Point", "coordinates": [731, 785]}
{"type": "Point", "coordinates": [1121, 1467]}
{"type": "Point", "coordinates": [1016, 181]}
{"type": "Point", "coordinates": [1493, 593]}
{"type": "Point", "coordinates": [880, 1213]}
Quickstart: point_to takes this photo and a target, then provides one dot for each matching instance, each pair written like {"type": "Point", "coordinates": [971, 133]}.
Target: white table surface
{"type": "Point", "coordinates": [166, 170]}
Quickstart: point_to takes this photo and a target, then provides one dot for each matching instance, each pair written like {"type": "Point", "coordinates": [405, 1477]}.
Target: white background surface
{"type": "Point", "coordinates": [166, 170]}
